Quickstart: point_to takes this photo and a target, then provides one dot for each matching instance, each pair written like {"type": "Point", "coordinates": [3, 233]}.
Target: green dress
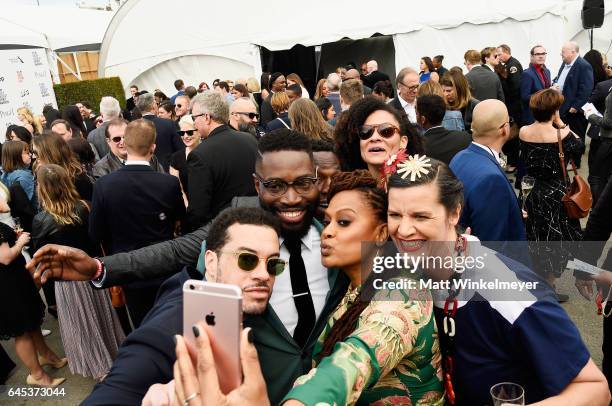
{"type": "Point", "coordinates": [392, 358]}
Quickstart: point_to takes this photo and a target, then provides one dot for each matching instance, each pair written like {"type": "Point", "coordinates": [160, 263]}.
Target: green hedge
{"type": "Point", "coordinates": [89, 90]}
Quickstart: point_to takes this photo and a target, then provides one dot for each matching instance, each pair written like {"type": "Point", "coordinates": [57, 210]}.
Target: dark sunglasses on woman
{"type": "Point", "coordinates": [386, 130]}
{"type": "Point", "coordinates": [186, 133]}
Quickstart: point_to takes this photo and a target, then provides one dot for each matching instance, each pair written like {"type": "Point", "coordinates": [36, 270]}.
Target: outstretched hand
{"type": "Point", "coordinates": [63, 263]}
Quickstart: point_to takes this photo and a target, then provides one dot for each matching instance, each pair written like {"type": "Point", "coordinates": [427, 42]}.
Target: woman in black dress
{"type": "Point", "coordinates": [21, 308]}
{"type": "Point", "coordinates": [546, 217]}
{"type": "Point", "coordinates": [178, 161]}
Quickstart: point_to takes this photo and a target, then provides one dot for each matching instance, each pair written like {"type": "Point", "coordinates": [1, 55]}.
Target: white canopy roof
{"type": "Point", "coordinates": [232, 30]}
{"type": "Point", "coordinates": [52, 27]}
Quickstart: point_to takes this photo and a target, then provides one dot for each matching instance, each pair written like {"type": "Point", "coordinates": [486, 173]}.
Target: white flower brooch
{"type": "Point", "coordinates": [414, 166]}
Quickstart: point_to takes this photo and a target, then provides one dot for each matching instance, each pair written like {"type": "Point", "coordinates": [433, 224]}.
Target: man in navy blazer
{"type": "Point", "coordinates": [136, 206]}
{"type": "Point", "coordinates": [167, 140]}
{"type": "Point", "coordinates": [533, 79]}
{"type": "Point", "coordinates": [575, 82]}
{"type": "Point", "coordinates": [490, 205]}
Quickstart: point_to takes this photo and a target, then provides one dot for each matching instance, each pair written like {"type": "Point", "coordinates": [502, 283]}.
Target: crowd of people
{"type": "Point", "coordinates": [232, 182]}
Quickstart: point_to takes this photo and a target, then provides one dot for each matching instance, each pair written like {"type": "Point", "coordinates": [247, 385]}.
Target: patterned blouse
{"type": "Point", "coordinates": [391, 358]}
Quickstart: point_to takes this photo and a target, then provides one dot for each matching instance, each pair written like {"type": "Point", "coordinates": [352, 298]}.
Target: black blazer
{"type": "Point", "coordinates": [219, 169]}
{"type": "Point", "coordinates": [167, 140]}
{"type": "Point", "coordinates": [133, 207]}
{"type": "Point", "coordinates": [443, 144]}
{"type": "Point", "coordinates": [266, 110]}
{"type": "Point", "coordinates": [376, 76]}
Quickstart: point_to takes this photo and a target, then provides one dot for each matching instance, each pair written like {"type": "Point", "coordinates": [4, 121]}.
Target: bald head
{"type": "Point", "coordinates": [569, 51]}
{"type": "Point", "coordinates": [372, 66]}
{"type": "Point", "coordinates": [487, 118]}
{"type": "Point", "coordinates": [243, 104]}
{"type": "Point", "coordinates": [239, 113]}
{"type": "Point", "coordinates": [352, 74]}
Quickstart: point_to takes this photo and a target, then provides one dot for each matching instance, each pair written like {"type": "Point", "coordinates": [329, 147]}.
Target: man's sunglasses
{"type": "Point", "coordinates": [117, 139]}
{"type": "Point", "coordinates": [250, 115]}
{"type": "Point", "coordinates": [186, 133]}
{"type": "Point", "coordinates": [247, 261]}
{"type": "Point", "coordinates": [179, 105]}
{"type": "Point", "coordinates": [385, 130]}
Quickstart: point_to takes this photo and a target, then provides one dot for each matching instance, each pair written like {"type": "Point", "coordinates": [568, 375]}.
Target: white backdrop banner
{"type": "Point", "coordinates": [25, 80]}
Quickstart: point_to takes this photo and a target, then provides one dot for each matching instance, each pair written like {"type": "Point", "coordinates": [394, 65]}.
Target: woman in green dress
{"type": "Point", "coordinates": [378, 348]}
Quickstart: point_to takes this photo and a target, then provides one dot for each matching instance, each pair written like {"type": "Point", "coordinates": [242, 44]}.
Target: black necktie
{"type": "Point", "coordinates": [301, 292]}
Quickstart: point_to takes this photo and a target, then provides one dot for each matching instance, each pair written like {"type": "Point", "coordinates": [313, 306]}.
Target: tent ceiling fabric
{"type": "Point", "coordinates": [52, 27]}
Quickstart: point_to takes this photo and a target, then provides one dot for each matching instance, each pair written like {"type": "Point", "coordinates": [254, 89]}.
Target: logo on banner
{"type": "Point", "coordinates": [40, 75]}
{"type": "Point", "coordinates": [20, 76]}
{"type": "Point", "coordinates": [3, 97]}
{"type": "Point", "coordinates": [16, 59]}
{"type": "Point", "coordinates": [7, 113]}
{"type": "Point", "coordinates": [44, 91]}
{"type": "Point", "coordinates": [37, 59]}
{"type": "Point", "coordinates": [25, 92]}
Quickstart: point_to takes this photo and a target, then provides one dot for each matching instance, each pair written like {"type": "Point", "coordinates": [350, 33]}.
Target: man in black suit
{"type": "Point", "coordinates": [440, 143]}
{"type": "Point", "coordinates": [221, 166]}
{"type": "Point", "coordinates": [512, 94]}
{"type": "Point", "coordinates": [407, 84]}
{"type": "Point", "coordinates": [484, 82]}
{"type": "Point", "coordinates": [374, 75]}
{"type": "Point", "coordinates": [278, 83]}
{"type": "Point", "coordinates": [136, 206]}
{"type": "Point", "coordinates": [168, 140]}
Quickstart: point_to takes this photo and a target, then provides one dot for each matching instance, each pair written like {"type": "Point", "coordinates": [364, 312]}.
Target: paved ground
{"type": "Point", "coordinates": [582, 312]}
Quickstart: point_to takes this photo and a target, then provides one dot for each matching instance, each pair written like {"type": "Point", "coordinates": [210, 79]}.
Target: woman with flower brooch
{"type": "Point", "coordinates": [487, 335]}
{"type": "Point", "coordinates": [372, 133]}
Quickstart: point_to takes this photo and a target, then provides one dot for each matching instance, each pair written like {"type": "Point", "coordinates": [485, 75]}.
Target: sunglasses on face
{"type": "Point", "coordinates": [186, 133]}
{"type": "Point", "coordinates": [247, 261]}
{"type": "Point", "coordinates": [250, 115]}
{"type": "Point", "coordinates": [385, 130]}
{"type": "Point", "coordinates": [179, 106]}
{"type": "Point", "coordinates": [117, 139]}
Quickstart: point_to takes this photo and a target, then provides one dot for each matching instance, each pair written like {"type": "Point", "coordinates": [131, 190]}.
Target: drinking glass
{"type": "Point", "coordinates": [507, 393]}
{"type": "Point", "coordinates": [527, 184]}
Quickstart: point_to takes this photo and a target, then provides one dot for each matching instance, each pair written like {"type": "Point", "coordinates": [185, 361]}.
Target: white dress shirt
{"type": "Point", "coordinates": [410, 109]}
{"type": "Point", "coordinates": [282, 294]}
{"type": "Point", "coordinates": [489, 150]}
{"type": "Point", "coordinates": [133, 162]}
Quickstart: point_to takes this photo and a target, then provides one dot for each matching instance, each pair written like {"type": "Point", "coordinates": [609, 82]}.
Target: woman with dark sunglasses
{"type": "Point", "coordinates": [370, 133]}
{"type": "Point", "coordinates": [178, 161]}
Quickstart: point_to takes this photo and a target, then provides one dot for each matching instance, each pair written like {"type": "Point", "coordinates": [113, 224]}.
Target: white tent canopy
{"type": "Point", "coordinates": [54, 28]}
{"type": "Point", "coordinates": [221, 41]}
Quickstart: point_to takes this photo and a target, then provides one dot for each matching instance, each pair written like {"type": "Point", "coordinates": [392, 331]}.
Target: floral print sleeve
{"type": "Point", "coordinates": [392, 356]}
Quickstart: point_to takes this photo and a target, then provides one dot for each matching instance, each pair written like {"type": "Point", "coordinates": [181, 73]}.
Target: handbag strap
{"type": "Point", "coordinates": [562, 157]}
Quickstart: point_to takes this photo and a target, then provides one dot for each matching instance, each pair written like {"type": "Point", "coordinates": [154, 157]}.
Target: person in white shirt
{"type": "Point", "coordinates": [407, 84]}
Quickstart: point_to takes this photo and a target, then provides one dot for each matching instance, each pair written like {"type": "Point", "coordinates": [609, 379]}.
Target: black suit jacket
{"type": "Point", "coordinates": [167, 141]}
{"type": "Point", "coordinates": [219, 169]}
{"type": "Point", "coordinates": [376, 76]}
{"type": "Point", "coordinates": [443, 144]}
{"type": "Point", "coordinates": [133, 207]}
{"type": "Point", "coordinates": [577, 87]}
{"type": "Point", "coordinates": [598, 97]}
{"type": "Point", "coordinates": [267, 112]}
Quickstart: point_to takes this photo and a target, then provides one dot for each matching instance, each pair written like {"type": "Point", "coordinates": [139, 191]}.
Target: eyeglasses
{"type": "Point", "coordinates": [117, 139]}
{"type": "Point", "coordinates": [301, 185]}
{"type": "Point", "coordinates": [186, 133]}
{"type": "Point", "coordinates": [250, 115]}
{"type": "Point", "coordinates": [540, 54]}
{"type": "Point", "coordinates": [509, 122]}
{"type": "Point", "coordinates": [385, 130]}
{"type": "Point", "coordinates": [194, 116]}
{"type": "Point", "coordinates": [247, 261]}
{"type": "Point", "coordinates": [411, 88]}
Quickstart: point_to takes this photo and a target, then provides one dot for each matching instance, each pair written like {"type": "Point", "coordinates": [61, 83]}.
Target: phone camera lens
{"type": "Point", "coordinates": [191, 287]}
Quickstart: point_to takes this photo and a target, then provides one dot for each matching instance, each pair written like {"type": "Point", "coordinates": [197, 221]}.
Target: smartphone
{"type": "Point", "coordinates": [220, 307]}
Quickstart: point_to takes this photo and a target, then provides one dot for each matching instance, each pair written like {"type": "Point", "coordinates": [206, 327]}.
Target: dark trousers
{"type": "Point", "coordinates": [139, 301]}
{"type": "Point", "coordinates": [607, 346]}
{"type": "Point", "coordinates": [49, 292]}
{"type": "Point", "coordinates": [578, 125]}
{"type": "Point", "coordinates": [600, 166]}
{"type": "Point", "coordinates": [511, 149]}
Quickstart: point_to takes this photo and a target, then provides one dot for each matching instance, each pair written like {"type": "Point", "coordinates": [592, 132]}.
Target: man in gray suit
{"type": "Point", "coordinates": [484, 82]}
{"type": "Point", "coordinates": [110, 110]}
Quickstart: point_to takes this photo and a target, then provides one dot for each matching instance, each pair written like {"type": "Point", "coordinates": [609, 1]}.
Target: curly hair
{"type": "Point", "coordinates": [360, 180]}
{"type": "Point", "coordinates": [349, 124]}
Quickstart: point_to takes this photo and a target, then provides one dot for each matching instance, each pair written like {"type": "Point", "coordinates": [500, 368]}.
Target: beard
{"type": "Point", "coordinates": [297, 231]}
{"type": "Point", "coordinates": [248, 128]}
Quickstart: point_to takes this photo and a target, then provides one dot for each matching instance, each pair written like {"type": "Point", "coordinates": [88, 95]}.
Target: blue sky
{"type": "Point", "coordinates": [55, 2]}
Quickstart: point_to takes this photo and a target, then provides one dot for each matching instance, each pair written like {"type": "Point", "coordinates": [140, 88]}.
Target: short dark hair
{"type": "Point", "coordinates": [224, 85]}
{"type": "Point", "coordinates": [322, 145]}
{"type": "Point", "coordinates": [178, 84]}
{"type": "Point", "coordinates": [217, 233]}
{"type": "Point", "coordinates": [506, 49]}
{"type": "Point", "coordinates": [283, 139]}
{"type": "Point", "coordinates": [383, 87]}
{"type": "Point", "coordinates": [295, 88]}
{"type": "Point", "coordinates": [190, 91]}
{"type": "Point", "coordinates": [20, 132]}
{"type": "Point", "coordinates": [114, 123]}
{"type": "Point", "coordinates": [544, 103]}
{"type": "Point", "coordinates": [439, 58]}
{"type": "Point", "coordinates": [532, 51]}
{"type": "Point", "coordinates": [431, 107]}
{"type": "Point", "coordinates": [134, 87]}
{"type": "Point", "coordinates": [86, 104]}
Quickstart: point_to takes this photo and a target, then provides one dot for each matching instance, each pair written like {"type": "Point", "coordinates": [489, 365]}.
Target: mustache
{"type": "Point", "coordinates": [261, 284]}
